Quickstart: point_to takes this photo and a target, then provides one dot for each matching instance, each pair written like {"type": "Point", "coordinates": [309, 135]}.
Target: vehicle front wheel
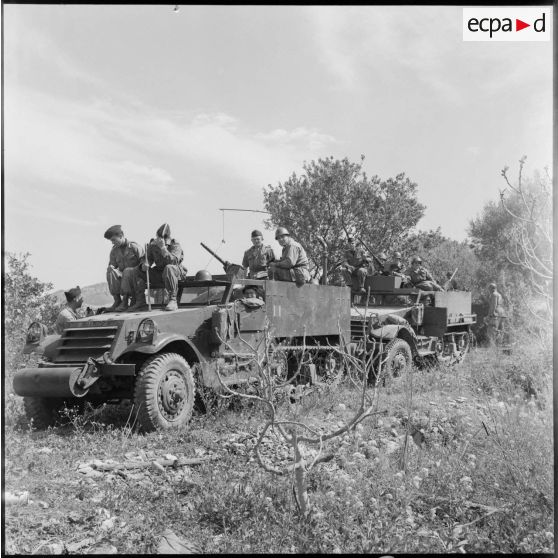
{"type": "Point", "coordinates": [398, 358]}
{"type": "Point", "coordinates": [164, 393]}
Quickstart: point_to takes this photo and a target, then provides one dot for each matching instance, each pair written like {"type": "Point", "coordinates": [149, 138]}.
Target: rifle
{"type": "Point", "coordinates": [147, 275]}
{"type": "Point", "coordinates": [376, 259]}
{"type": "Point", "coordinates": [448, 282]}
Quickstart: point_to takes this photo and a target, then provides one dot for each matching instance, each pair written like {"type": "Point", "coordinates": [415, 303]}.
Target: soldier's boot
{"type": "Point", "coordinates": [123, 306]}
{"type": "Point", "coordinates": [116, 304]}
{"type": "Point", "coordinates": [171, 304]}
{"type": "Point", "coordinates": [138, 303]}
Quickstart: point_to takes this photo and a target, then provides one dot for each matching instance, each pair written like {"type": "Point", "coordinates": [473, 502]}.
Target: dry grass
{"type": "Point", "coordinates": [482, 480]}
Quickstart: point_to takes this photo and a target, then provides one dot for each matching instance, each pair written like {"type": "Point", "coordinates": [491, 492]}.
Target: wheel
{"type": "Point", "coordinates": [398, 358]}
{"type": "Point", "coordinates": [43, 412]}
{"type": "Point", "coordinates": [164, 393]}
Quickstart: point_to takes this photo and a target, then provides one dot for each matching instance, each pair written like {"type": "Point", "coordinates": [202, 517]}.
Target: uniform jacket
{"type": "Point", "coordinates": [293, 255]}
{"type": "Point", "coordinates": [128, 255]}
{"type": "Point", "coordinates": [354, 257]}
{"type": "Point", "coordinates": [66, 315]}
{"type": "Point", "coordinates": [166, 255]}
{"type": "Point", "coordinates": [257, 258]}
{"type": "Point", "coordinates": [419, 275]}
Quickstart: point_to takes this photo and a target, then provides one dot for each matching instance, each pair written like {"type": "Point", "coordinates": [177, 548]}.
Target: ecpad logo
{"type": "Point", "coordinates": [507, 24]}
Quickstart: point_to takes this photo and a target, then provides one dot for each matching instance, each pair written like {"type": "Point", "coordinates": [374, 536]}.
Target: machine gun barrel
{"type": "Point", "coordinates": [214, 254]}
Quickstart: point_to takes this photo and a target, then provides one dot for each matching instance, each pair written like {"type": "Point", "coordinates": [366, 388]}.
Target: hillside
{"type": "Point", "coordinates": [97, 295]}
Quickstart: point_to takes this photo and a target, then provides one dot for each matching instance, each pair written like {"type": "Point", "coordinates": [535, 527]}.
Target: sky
{"type": "Point", "coordinates": [141, 115]}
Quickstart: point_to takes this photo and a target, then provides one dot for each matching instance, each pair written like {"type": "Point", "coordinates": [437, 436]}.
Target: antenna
{"type": "Point", "coordinates": [247, 210]}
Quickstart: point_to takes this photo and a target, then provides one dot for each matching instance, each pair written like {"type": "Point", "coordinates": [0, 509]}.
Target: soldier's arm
{"type": "Point", "coordinates": [112, 257]}
{"type": "Point", "coordinates": [172, 256]}
{"type": "Point", "coordinates": [289, 259]}
{"type": "Point", "coordinates": [270, 255]}
{"type": "Point", "coordinates": [138, 250]}
{"type": "Point", "coordinates": [245, 260]}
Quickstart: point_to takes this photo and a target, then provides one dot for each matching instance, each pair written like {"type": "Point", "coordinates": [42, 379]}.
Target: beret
{"type": "Point", "coordinates": [115, 230]}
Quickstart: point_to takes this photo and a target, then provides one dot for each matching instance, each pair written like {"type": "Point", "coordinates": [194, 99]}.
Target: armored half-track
{"type": "Point", "coordinates": [158, 359]}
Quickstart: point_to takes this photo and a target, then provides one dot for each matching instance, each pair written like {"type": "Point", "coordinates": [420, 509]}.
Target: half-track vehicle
{"type": "Point", "coordinates": [158, 359]}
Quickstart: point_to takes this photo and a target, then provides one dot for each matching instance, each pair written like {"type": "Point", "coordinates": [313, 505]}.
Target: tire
{"type": "Point", "coordinates": [164, 393]}
{"type": "Point", "coordinates": [398, 358]}
{"type": "Point", "coordinates": [43, 412]}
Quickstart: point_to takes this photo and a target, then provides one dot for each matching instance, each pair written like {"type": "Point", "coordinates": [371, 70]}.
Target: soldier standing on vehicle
{"type": "Point", "coordinates": [164, 256]}
{"type": "Point", "coordinates": [124, 254]}
{"type": "Point", "coordinates": [258, 257]}
{"type": "Point", "coordinates": [74, 301]}
{"type": "Point", "coordinates": [356, 263]}
{"type": "Point", "coordinates": [421, 277]}
{"type": "Point", "coordinates": [293, 265]}
{"type": "Point", "coordinates": [495, 312]}
{"type": "Point", "coordinates": [451, 283]}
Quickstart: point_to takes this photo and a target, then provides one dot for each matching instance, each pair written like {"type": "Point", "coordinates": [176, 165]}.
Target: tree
{"type": "Point", "coordinates": [335, 198]}
{"type": "Point", "coordinates": [25, 301]}
{"type": "Point", "coordinates": [513, 239]}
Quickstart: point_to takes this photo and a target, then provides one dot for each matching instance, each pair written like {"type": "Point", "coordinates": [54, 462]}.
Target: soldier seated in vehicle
{"type": "Point", "coordinates": [293, 265]}
{"type": "Point", "coordinates": [164, 256]}
{"type": "Point", "coordinates": [356, 265]}
{"type": "Point", "coordinates": [252, 297]}
{"type": "Point", "coordinates": [74, 301]}
{"type": "Point", "coordinates": [395, 269]}
{"type": "Point", "coordinates": [421, 277]}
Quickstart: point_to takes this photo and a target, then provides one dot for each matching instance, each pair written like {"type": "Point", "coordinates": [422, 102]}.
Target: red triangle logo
{"type": "Point", "coordinates": [519, 25]}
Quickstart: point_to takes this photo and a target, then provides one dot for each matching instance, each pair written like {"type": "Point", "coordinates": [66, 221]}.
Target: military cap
{"type": "Point", "coordinates": [72, 294]}
{"type": "Point", "coordinates": [256, 233]}
{"type": "Point", "coordinates": [115, 230]}
{"type": "Point", "coordinates": [164, 231]}
{"type": "Point", "coordinates": [281, 231]}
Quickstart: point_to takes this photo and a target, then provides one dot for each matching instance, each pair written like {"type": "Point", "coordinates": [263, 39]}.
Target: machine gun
{"type": "Point", "coordinates": [374, 257]}
{"type": "Point", "coordinates": [231, 269]}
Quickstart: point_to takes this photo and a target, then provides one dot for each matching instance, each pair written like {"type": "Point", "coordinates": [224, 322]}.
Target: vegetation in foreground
{"type": "Point", "coordinates": [477, 476]}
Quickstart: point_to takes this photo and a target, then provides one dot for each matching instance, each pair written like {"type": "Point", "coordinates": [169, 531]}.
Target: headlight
{"type": "Point", "coordinates": [146, 331]}
{"type": "Point", "coordinates": [34, 332]}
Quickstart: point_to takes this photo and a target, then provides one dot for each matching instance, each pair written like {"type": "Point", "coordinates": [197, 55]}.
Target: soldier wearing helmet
{"type": "Point", "coordinates": [395, 268]}
{"type": "Point", "coordinates": [420, 276]}
{"type": "Point", "coordinates": [293, 265]}
{"type": "Point", "coordinates": [164, 256]}
{"type": "Point", "coordinates": [258, 257]}
{"type": "Point", "coordinates": [356, 263]}
{"type": "Point", "coordinates": [124, 254]}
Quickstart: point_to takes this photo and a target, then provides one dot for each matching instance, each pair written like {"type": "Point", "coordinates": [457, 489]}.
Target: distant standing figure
{"type": "Point", "coordinates": [124, 254]}
{"type": "Point", "coordinates": [496, 312]}
{"type": "Point", "coordinates": [258, 257]}
{"type": "Point", "coordinates": [74, 300]}
{"type": "Point", "coordinates": [293, 265]}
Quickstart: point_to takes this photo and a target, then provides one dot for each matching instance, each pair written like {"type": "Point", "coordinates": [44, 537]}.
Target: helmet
{"type": "Point", "coordinates": [397, 255]}
{"type": "Point", "coordinates": [492, 286]}
{"type": "Point", "coordinates": [281, 231]}
{"type": "Point", "coordinates": [416, 259]}
{"type": "Point", "coordinates": [203, 275]}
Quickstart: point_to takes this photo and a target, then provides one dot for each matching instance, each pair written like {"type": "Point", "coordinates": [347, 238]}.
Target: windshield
{"type": "Point", "coordinates": [203, 295]}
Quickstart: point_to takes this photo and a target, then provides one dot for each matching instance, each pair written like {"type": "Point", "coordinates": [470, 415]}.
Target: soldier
{"type": "Point", "coordinates": [293, 265]}
{"type": "Point", "coordinates": [495, 312]}
{"type": "Point", "coordinates": [356, 263]}
{"type": "Point", "coordinates": [165, 255]}
{"type": "Point", "coordinates": [74, 301]}
{"type": "Point", "coordinates": [450, 284]}
{"type": "Point", "coordinates": [124, 254]}
{"type": "Point", "coordinates": [421, 277]}
{"type": "Point", "coordinates": [257, 257]}
{"type": "Point", "coordinates": [395, 268]}
{"type": "Point", "coordinates": [378, 264]}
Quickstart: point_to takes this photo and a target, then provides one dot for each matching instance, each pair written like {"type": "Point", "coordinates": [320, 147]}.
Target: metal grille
{"type": "Point", "coordinates": [78, 344]}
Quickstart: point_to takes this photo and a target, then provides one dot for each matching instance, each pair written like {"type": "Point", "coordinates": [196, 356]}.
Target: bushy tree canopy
{"type": "Point", "coordinates": [25, 301]}
{"type": "Point", "coordinates": [334, 198]}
